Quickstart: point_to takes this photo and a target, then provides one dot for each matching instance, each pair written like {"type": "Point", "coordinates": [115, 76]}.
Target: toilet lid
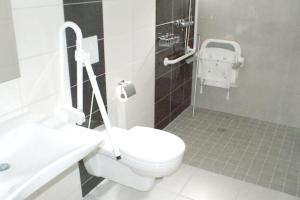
{"type": "Point", "coordinates": [151, 145]}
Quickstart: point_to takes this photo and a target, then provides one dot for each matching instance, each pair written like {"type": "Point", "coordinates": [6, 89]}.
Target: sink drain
{"type": "Point", "coordinates": [4, 167]}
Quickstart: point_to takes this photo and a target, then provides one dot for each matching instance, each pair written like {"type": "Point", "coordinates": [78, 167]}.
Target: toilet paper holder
{"type": "Point", "coordinates": [125, 90]}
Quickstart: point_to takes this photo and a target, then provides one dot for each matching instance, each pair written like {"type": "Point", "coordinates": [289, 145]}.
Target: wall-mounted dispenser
{"type": "Point", "coordinates": [168, 40]}
{"type": "Point", "coordinates": [125, 90]}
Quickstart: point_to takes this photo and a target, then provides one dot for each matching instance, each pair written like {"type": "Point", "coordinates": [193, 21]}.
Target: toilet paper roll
{"type": "Point", "coordinates": [125, 90]}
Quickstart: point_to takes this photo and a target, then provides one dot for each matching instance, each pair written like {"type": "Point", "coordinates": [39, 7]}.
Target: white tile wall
{"type": "Point", "coordinates": [65, 186]}
{"type": "Point", "coordinates": [5, 12]}
{"type": "Point", "coordinates": [130, 55]}
{"type": "Point", "coordinates": [7, 51]}
{"type": "Point", "coordinates": [34, 3]}
{"type": "Point", "coordinates": [10, 96]}
{"type": "Point", "coordinates": [36, 25]}
{"type": "Point", "coordinates": [39, 77]}
{"type": "Point", "coordinates": [37, 29]}
{"type": "Point", "coordinates": [268, 86]}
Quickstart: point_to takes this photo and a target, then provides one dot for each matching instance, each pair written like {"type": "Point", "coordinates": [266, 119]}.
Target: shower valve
{"type": "Point", "coordinates": [182, 23]}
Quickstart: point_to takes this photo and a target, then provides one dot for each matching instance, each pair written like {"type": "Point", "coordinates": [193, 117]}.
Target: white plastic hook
{"type": "Point", "coordinates": [228, 95]}
{"type": "Point", "coordinates": [201, 87]}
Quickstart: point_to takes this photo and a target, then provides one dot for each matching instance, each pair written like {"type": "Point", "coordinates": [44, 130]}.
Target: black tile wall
{"type": "Point", "coordinates": [160, 69]}
{"type": "Point", "coordinates": [87, 180]}
{"type": "Point", "coordinates": [177, 76]}
{"type": "Point", "coordinates": [162, 109]}
{"type": "Point", "coordinates": [173, 83]}
{"type": "Point", "coordinates": [163, 86]}
{"type": "Point", "coordinates": [163, 123]}
{"type": "Point", "coordinates": [177, 98]}
{"type": "Point", "coordinates": [88, 15]}
{"type": "Point", "coordinates": [164, 13]}
{"type": "Point", "coordinates": [181, 9]}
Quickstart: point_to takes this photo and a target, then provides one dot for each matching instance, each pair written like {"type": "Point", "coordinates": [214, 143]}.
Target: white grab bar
{"type": "Point", "coordinates": [65, 98]}
{"type": "Point", "coordinates": [82, 58]}
{"type": "Point", "coordinates": [92, 77]}
{"type": "Point", "coordinates": [171, 62]}
{"type": "Point", "coordinates": [192, 51]}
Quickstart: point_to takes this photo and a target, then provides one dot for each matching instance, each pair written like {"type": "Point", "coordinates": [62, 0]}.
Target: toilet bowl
{"type": "Point", "coordinates": [147, 154]}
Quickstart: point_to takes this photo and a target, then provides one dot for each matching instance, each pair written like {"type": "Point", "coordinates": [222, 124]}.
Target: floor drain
{"type": "Point", "coordinates": [4, 167]}
{"type": "Point", "coordinates": [221, 129]}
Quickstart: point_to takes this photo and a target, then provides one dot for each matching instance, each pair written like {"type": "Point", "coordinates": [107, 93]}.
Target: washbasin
{"type": "Point", "coordinates": [33, 154]}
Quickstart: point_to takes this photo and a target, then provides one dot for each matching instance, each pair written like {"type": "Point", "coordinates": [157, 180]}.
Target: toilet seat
{"type": "Point", "coordinates": [152, 145]}
{"type": "Point", "coordinates": [147, 151]}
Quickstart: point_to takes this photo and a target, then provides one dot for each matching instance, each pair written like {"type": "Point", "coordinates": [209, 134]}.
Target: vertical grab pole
{"type": "Point", "coordinates": [63, 74]}
{"type": "Point", "coordinates": [65, 90]}
{"type": "Point", "coordinates": [79, 60]}
{"type": "Point", "coordinates": [196, 74]}
{"type": "Point", "coordinates": [79, 86]}
{"type": "Point", "coordinates": [187, 33]}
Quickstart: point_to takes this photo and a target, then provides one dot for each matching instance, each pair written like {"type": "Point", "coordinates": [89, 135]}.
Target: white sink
{"type": "Point", "coordinates": [36, 154]}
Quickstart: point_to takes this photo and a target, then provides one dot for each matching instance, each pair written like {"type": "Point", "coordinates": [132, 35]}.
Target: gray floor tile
{"type": "Point", "coordinates": [251, 150]}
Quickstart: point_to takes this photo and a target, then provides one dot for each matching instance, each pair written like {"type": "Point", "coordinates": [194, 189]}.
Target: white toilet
{"type": "Point", "coordinates": [147, 154]}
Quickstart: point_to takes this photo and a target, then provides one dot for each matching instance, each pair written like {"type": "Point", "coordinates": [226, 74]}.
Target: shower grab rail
{"type": "Point", "coordinates": [177, 60]}
{"type": "Point", "coordinates": [190, 51]}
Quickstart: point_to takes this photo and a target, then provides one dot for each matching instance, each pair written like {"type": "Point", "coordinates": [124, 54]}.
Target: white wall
{"type": "Point", "coordinates": [129, 32]}
{"type": "Point", "coordinates": [9, 67]}
{"type": "Point", "coordinates": [36, 25]}
{"type": "Point", "coordinates": [66, 186]}
{"type": "Point", "coordinates": [269, 87]}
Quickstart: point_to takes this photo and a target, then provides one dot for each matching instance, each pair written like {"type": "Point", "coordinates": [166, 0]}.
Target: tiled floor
{"type": "Point", "coordinates": [251, 150]}
{"type": "Point", "coordinates": [190, 183]}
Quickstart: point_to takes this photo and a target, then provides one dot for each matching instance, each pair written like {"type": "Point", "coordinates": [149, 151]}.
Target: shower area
{"type": "Point", "coordinates": [253, 136]}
